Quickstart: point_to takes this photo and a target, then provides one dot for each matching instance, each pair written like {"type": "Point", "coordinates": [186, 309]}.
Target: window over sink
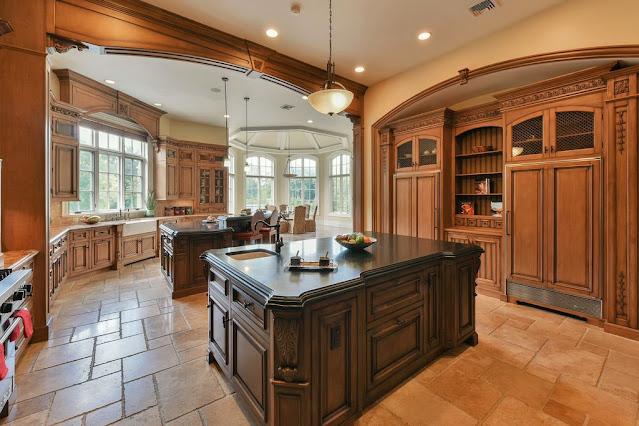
{"type": "Point", "coordinates": [113, 171]}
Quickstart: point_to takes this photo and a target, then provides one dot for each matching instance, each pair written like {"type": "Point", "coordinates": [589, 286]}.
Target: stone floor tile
{"type": "Point", "coordinates": [110, 308]}
{"type": "Point", "coordinates": [28, 358]}
{"type": "Point", "coordinates": [37, 419]}
{"type": "Point", "coordinates": [105, 415]}
{"type": "Point", "coordinates": [51, 379]}
{"type": "Point", "coordinates": [56, 355]}
{"type": "Point", "coordinates": [160, 341]}
{"type": "Point", "coordinates": [96, 329]}
{"type": "Point", "coordinates": [75, 321]}
{"type": "Point", "coordinates": [85, 397]}
{"type": "Point", "coordinates": [30, 406]}
{"type": "Point", "coordinates": [564, 413]}
{"type": "Point", "coordinates": [162, 325]}
{"type": "Point", "coordinates": [184, 388]}
{"type": "Point", "coordinates": [194, 353]}
{"type": "Point", "coordinates": [119, 348]}
{"type": "Point", "coordinates": [596, 403]}
{"type": "Point", "coordinates": [565, 359]}
{"type": "Point", "coordinates": [58, 341]}
{"type": "Point", "coordinates": [139, 313]}
{"type": "Point", "coordinates": [416, 405]}
{"type": "Point", "coordinates": [624, 363]}
{"type": "Point", "coordinates": [511, 411]}
{"type": "Point", "coordinates": [83, 308]}
{"type": "Point", "coordinates": [132, 328]}
{"type": "Point", "coordinates": [107, 338]}
{"type": "Point", "coordinates": [150, 417]}
{"type": "Point", "coordinates": [379, 416]}
{"type": "Point", "coordinates": [620, 383]}
{"type": "Point", "coordinates": [106, 368]}
{"type": "Point", "coordinates": [111, 316]}
{"type": "Point", "coordinates": [190, 338]}
{"type": "Point", "coordinates": [190, 419]}
{"type": "Point", "coordinates": [152, 293]}
{"type": "Point", "coordinates": [227, 409]}
{"type": "Point", "coordinates": [611, 341]}
{"type": "Point", "coordinates": [139, 395]}
{"type": "Point", "coordinates": [517, 383]}
{"type": "Point", "coordinates": [149, 362]}
{"type": "Point", "coordinates": [504, 351]}
{"type": "Point", "coordinates": [519, 337]}
{"type": "Point", "coordinates": [473, 395]}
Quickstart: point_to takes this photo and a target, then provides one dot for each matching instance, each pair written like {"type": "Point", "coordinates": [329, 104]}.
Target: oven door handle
{"type": "Point", "coordinates": [9, 330]}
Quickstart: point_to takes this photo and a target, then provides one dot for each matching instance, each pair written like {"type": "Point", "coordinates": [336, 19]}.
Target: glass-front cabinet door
{"type": "Point", "coordinates": [527, 138]}
{"type": "Point", "coordinates": [575, 131]}
{"type": "Point", "coordinates": [204, 187]}
{"type": "Point", "coordinates": [427, 152]}
{"type": "Point", "coordinates": [404, 155]}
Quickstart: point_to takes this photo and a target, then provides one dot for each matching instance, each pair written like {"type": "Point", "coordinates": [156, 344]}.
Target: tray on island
{"type": "Point", "coordinates": [311, 266]}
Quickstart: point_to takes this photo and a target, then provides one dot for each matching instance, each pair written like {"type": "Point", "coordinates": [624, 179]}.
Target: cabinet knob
{"type": "Point", "coordinates": [248, 305]}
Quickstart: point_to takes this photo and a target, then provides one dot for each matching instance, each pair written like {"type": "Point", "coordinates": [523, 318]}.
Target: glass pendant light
{"type": "Point", "coordinates": [246, 164]}
{"type": "Point", "coordinates": [333, 98]}
{"type": "Point", "coordinates": [287, 169]}
{"type": "Point", "coordinates": [227, 160]}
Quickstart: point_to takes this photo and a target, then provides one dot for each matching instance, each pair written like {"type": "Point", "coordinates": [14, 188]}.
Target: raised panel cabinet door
{"type": "Point", "coordinates": [250, 366]}
{"type": "Point", "coordinates": [403, 206]}
{"type": "Point", "coordinates": [103, 253]}
{"type": "Point", "coordinates": [465, 289]}
{"type": "Point", "coordinates": [65, 169]}
{"type": "Point", "coordinates": [80, 257]}
{"type": "Point", "coordinates": [130, 247]}
{"type": "Point", "coordinates": [148, 244]}
{"type": "Point", "coordinates": [187, 181]}
{"type": "Point", "coordinates": [219, 332]}
{"type": "Point", "coordinates": [574, 225]}
{"type": "Point", "coordinates": [433, 326]}
{"type": "Point", "coordinates": [524, 221]}
{"type": "Point", "coordinates": [334, 345]}
{"type": "Point", "coordinates": [489, 274]}
{"type": "Point", "coordinates": [172, 180]}
{"type": "Point", "coordinates": [390, 348]}
{"type": "Point", "coordinates": [426, 211]}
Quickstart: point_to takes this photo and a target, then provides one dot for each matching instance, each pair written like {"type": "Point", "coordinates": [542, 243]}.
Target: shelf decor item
{"type": "Point", "coordinates": [151, 204]}
{"type": "Point", "coordinates": [497, 207]}
{"type": "Point", "coordinates": [355, 241]}
{"type": "Point", "coordinates": [483, 148]}
{"type": "Point", "coordinates": [482, 186]}
{"type": "Point", "coordinates": [467, 208]}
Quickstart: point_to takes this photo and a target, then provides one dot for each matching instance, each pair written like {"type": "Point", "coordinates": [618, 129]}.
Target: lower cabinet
{"type": "Point", "coordinates": [58, 264]}
{"type": "Point", "coordinates": [138, 247]}
{"type": "Point", "coordinates": [489, 277]}
{"type": "Point", "coordinates": [103, 253]}
{"type": "Point", "coordinates": [91, 250]}
{"type": "Point", "coordinates": [219, 332]}
{"type": "Point", "coordinates": [80, 257]}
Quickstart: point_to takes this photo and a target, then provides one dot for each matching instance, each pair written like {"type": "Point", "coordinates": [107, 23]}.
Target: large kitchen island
{"type": "Point", "coordinates": [318, 347]}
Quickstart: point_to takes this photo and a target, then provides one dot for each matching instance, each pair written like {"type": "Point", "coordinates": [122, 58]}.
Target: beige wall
{"type": "Point", "coordinates": [573, 24]}
{"type": "Point", "coordinates": [189, 131]}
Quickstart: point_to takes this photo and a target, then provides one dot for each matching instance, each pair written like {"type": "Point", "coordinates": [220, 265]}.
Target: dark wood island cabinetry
{"type": "Point", "coordinates": [317, 348]}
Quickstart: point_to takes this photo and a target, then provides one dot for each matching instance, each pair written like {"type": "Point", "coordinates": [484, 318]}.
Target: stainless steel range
{"type": "Point", "coordinates": [15, 289]}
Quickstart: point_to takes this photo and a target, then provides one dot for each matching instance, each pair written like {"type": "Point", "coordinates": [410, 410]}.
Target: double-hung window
{"type": "Point", "coordinates": [113, 171]}
{"type": "Point", "coordinates": [302, 189]}
{"type": "Point", "coordinates": [340, 179]}
{"type": "Point", "coordinates": [260, 182]}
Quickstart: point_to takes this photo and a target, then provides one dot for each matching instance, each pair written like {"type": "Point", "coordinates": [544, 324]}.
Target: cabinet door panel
{"type": "Point", "coordinates": [103, 251]}
{"type": "Point", "coordinates": [404, 155]}
{"type": "Point", "coordinates": [219, 331]}
{"type": "Point", "coordinates": [574, 228]}
{"type": "Point", "coordinates": [527, 138]}
{"type": "Point", "coordinates": [525, 224]}
{"type": "Point", "coordinates": [187, 180]}
{"type": "Point", "coordinates": [404, 208]}
{"type": "Point", "coordinates": [575, 131]}
{"type": "Point", "coordinates": [172, 184]}
{"type": "Point", "coordinates": [148, 244]}
{"type": "Point", "coordinates": [65, 169]}
{"type": "Point", "coordinates": [489, 275]}
{"type": "Point", "coordinates": [427, 206]}
{"type": "Point", "coordinates": [80, 257]}
{"type": "Point", "coordinates": [250, 366]}
{"type": "Point", "coordinates": [434, 300]}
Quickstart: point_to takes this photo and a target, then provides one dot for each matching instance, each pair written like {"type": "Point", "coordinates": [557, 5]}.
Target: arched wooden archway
{"type": "Point", "coordinates": [131, 27]}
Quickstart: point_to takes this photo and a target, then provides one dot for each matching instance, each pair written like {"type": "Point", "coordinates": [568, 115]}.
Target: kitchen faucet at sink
{"type": "Point", "coordinates": [278, 239]}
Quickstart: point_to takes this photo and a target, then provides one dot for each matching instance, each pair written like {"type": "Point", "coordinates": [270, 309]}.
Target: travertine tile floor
{"type": "Point", "coordinates": [122, 351]}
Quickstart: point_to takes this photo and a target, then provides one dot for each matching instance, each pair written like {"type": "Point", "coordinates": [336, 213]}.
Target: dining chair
{"type": "Point", "coordinates": [268, 234]}
{"type": "Point", "coordinates": [308, 210]}
{"type": "Point", "coordinates": [251, 235]}
{"type": "Point", "coordinates": [299, 220]}
{"type": "Point", "coordinates": [311, 225]}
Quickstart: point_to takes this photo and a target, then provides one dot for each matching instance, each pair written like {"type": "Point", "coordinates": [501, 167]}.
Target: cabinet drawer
{"type": "Point", "coordinates": [250, 307]}
{"type": "Point", "coordinates": [80, 235]}
{"type": "Point", "coordinates": [102, 232]}
{"type": "Point", "coordinates": [392, 295]}
{"type": "Point", "coordinates": [390, 348]}
{"type": "Point", "coordinates": [218, 283]}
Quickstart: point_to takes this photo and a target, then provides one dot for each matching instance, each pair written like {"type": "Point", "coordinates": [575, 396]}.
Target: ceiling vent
{"type": "Point", "coordinates": [483, 6]}
{"type": "Point", "coordinates": [287, 107]}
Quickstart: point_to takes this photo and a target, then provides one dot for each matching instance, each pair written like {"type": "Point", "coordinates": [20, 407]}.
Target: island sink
{"type": "Point", "coordinates": [308, 348]}
{"type": "Point", "coordinates": [250, 254]}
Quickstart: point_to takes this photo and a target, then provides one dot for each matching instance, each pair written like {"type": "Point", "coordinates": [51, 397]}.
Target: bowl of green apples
{"type": "Point", "coordinates": [355, 241]}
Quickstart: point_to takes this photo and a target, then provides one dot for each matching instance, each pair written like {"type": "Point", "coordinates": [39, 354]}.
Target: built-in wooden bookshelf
{"type": "Point", "coordinates": [472, 166]}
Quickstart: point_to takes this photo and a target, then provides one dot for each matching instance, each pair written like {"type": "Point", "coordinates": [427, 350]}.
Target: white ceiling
{"type": "Point", "coordinates": [298, 140]}
{"type": "Point", "coordinates": [184, 90]}
{"type": "Point", "coordinates": [378, 34]}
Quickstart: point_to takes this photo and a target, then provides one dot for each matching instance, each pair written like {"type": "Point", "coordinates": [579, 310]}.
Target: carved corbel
{"type": "Point", "coordinates": [287, 340]}
{"type": "Point", "coordinates": [463, 76]}
{"type": "Point", "coordinates": [5, 27]}
{"type": "Point", "coordinates": [62, 45]}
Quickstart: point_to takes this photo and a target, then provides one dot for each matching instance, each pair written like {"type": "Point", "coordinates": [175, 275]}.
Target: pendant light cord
{"type": "Point", "coordinates": [246, 99]}
{"type": "Point", "coordinates": [226, 115]}
{"type": "Point", "coordinates": [330, 31]}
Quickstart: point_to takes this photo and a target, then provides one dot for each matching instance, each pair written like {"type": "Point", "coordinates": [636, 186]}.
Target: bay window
{"type": "Point", "coordinates": [302, 189]}
{"type": "Point", "coordinates": [260, 182]}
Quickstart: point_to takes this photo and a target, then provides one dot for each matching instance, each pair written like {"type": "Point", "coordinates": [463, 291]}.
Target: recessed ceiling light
{"type": "Point", "coordinates": [226, 116]}
{"type": "Point", "coordinates": [272, 33]}
{"type": "Point", "coordinates": [309, 121]}
{"type": "Point", "coordinates": [360, 68]}
{"type": "Point", "coordinates": [304, 97]}
{"type": "Point", "coordinates": [423, 36]}
{"type": "Point", "coordinates": [157, 104]}
{"type": "Point", "coordinates": [107, 81]}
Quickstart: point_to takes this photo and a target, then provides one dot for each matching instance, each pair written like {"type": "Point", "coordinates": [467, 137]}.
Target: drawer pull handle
{"type": "Point", "coordinates": [399, 322]}
{"type": "Point", "coordinates": [248, 305]}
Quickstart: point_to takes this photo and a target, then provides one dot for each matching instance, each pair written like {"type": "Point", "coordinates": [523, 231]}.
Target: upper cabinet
{"type": "Point", "coordinates": [416, 153]}
{"type": "Point", "coordinates": [570, 131]}
{"type": "Point", "coordinates": [65, 151]}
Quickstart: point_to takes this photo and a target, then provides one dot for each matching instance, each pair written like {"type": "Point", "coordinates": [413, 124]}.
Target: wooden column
{"type": "Point", "coordinates": [621, 190]}
{"type": "Point", "coordinates": [358, 174]}
{"type": "Point", "coordinates": [385, 189]}
{"type": "Point", "coordinates": [24, 144]}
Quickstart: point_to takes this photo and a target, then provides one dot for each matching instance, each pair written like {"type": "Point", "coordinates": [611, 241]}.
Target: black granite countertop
{"type": "Point", "coordinates": [269, 276]}
{"type": "Point", "coordinates": [192, 228]}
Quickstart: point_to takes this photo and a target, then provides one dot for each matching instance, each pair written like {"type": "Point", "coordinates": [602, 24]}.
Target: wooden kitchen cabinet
{"type": "Point", "coordinates": [417, 152]}
{"type": "Point", "coordinates": [65, 151]}
{"type": "Point", "coordinates": [139, 247]}
{"type": "Point", "coordinates": [417, 205]}
{"type": "Point", "coordinates": [80, 254]}
{"type": "Point", "coordinates": [219, 331]}
{"type": "Point", "coordinates": [103, 253]}
{"type": "Point", "coordinates": [91, 249]}
{"type": "Point", "coordinates": [187, 181]}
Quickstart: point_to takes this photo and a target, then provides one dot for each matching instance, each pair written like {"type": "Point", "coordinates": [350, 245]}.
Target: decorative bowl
{"type": "Point", "coordinates": [356, 246]}
{"type": "Point", "coordinates": [90, 220]}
